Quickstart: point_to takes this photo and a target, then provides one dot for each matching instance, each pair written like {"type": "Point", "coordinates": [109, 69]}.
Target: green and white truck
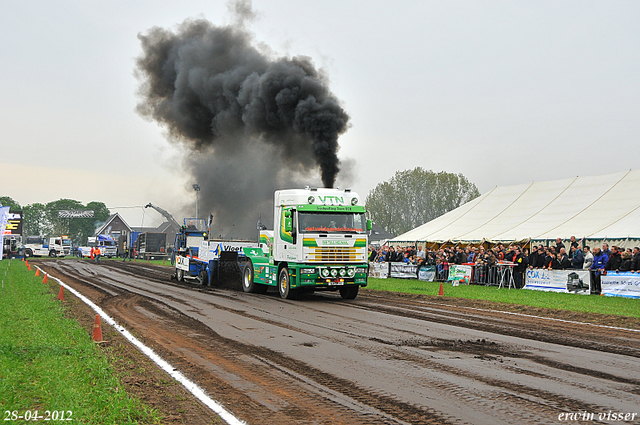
{"type": "Point", "coordinates": [319, 242]}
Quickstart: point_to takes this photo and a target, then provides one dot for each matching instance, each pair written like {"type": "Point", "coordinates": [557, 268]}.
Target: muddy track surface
{"type": "Point", "coordinates": [379, 359]}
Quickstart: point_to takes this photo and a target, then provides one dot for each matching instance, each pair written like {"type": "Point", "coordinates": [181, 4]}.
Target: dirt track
{"type": "Point", "coordinates": [378, 359]}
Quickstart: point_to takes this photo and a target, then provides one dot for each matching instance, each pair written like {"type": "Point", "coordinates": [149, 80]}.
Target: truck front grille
{"type": "Point", "coordinates": [337, 254]}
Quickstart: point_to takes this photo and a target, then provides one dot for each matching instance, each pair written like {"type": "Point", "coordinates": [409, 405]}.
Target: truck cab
{"type": "Point", "coordinates": [192, 233]}
{"type": "Point", "coordinates": [105, 243]}
{"type": "Point", "coordinates": [12, 246]}
{"type": "Point", "coordinates": [39, 246]}
{"type": "Point", "coordinates": [319, 242]}
{"type": "Point", "coordinates": [107, 246]}
{"type": "Point", "coordinates": [59, 246]}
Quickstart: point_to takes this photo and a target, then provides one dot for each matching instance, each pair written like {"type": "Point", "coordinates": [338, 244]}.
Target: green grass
{"type": "Point", "coordinates": [572, 302]}
{"type": "Point", "coordinates": [48, 362]}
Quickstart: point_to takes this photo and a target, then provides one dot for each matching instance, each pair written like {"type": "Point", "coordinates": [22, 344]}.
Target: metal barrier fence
{"type": "Point", "coordinates": [482, 274]}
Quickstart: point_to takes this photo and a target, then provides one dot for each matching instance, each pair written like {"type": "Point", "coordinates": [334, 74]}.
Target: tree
{"type": "Point", "coordinates": [34, 220]}
{"type": "Point", "coordinates": [414, 197]}
{"type": "Point", "coordinates": [6, 201]}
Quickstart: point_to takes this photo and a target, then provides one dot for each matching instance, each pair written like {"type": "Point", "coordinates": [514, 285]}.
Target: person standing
{"type": "Point", "coordinates": [588, 258]}
{"type": "Point", "coordinates": [597, 268]}
{"type": "Point", "coordinates": [615, 260]}
{"type": "Point", "coordinates": [520, 267]}
{"type": "Point", "coordinates": [533, 257]}
{"type": "Point", "coordinates": [635, 262]}
{"type": "Point", "coordinates": [577, 258]}
{"type": "Point", "coordinates": [625, 265]}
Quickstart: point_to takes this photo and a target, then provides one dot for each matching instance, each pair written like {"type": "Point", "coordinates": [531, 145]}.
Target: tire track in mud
{"type": "Point", "coordinates": [607, 340]}
{"type": "Point", "coordinates": [394, 411]}
{"type": "Point", "coordinates": [300, 391]}
{"type": "Point", "coordinates": [144, 315]}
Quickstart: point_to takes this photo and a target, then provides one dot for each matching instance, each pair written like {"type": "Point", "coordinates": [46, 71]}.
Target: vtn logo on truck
{"type": "Point", "coordinates": [330, 199]}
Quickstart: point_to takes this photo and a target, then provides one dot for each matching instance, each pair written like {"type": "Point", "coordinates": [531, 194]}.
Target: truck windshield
{"type": "Point", "coordinates": [321, 222]}
{"type": "Point", "coordinates": [197, 224]}
{"type": "Point", "coordinates": [66, 242]}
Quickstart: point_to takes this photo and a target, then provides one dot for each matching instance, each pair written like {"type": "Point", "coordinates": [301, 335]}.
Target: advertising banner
{"type": "Point", "coordinates": [379, 270]}
{"type": "Point", "coordinates": [458, 272]}
{"type": "Point", "coordinates": [4, 215]}
{"type": "Point", "coordinates": [572, 280]}
{"type": "Point", "coordinates": [403, 271]}
{"type": "Point", "coordinates": [427, 273]}
{"type": "Point", "coordinates": [621, 284]}
{"type": "Point", "coordinates": [75, 213]}
{"type": "Point", "coordinates": [13, 224]}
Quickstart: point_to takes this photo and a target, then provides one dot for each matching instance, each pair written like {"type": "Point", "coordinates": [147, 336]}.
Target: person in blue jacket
{"type": "Point", "coordinates": [600, 259]}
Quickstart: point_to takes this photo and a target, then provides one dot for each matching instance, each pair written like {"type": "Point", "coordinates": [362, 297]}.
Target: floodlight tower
{"type": "Point", "coordinates": [197, 189]}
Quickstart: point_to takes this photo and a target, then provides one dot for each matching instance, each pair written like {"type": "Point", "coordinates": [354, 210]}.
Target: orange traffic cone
{"type": "Point", "coordinates": [441, 291]}
{"type": "Point", "coordinates": [45, 279]}
{"type": "Point", "coordinates": [29, 267]}
{"type": "Point", "coordinates": [97, 330]}
{"type": "Point", "coordinates": [27, 263]}
{"type": "Point", "coordinates": [61, 294]}
{"type": "Point", "coordinates": [37, 272]}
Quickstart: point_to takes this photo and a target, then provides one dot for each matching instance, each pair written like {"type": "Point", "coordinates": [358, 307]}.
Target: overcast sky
{"type": "Point", "coordinates": [505, 92]}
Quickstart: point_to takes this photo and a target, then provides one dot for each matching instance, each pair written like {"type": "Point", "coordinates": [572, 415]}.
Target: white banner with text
{"type": "Point", "coordinates": [379, 270]}
{"type": "Point", "coordinates": [459, 273]}
{"type": "Point", "coordinates": [573, 280]}
{"type": "Point", "coordinates": [403, 271]}
{"type": "Point", "coordinates": [621, 284]}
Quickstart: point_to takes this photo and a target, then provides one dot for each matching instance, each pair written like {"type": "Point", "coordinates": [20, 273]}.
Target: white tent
{"type": "Point", "coordinates": [600, 207]}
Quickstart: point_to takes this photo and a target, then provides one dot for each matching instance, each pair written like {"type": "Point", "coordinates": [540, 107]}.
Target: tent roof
{"type": "Point", "coordinates": [594, 207]}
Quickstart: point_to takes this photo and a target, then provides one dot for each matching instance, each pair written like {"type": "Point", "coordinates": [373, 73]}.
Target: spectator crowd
{"type": "Point", "coordinates": [556, 257]}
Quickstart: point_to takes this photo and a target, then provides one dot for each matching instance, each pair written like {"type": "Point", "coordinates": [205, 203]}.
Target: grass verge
{"type": "Point", "coordinates": [48, 362]}
{"type": "Point", "coordinates": [571, 302]}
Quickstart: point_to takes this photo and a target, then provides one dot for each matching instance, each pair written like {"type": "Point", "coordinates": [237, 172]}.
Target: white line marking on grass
{"type": "Point", "coordinates": [192, 387]}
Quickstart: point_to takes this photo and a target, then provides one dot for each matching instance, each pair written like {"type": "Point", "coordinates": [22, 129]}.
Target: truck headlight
{"type": "Point", "coordinates": [325, 272]}
{"type": "Point", "coordinates": [343, 272]}
{"type": "Point", "coordinates": [334, 272]}
{"type": "Point", "coordinates": [351, 272]}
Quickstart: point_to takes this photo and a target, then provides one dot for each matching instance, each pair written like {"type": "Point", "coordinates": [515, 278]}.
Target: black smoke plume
{"type": "Point", "coordinates": [251, 123]}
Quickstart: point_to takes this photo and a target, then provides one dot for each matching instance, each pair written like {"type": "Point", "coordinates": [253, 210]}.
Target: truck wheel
{"type": "Point", "coordinates": [349, 293]}
{"type": "Point", "coordinates": [284, 284]}
{"type": "Point", "coordinates": [52, 253]}
{"type": "Point", "coordinates": [28, 253]}
{"type": "Point", "coordinates": [204, 278]}
{"type": "Point", "coordinates": [247, 277]}
{"type": "Point", "coordinates": [179, 275]}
